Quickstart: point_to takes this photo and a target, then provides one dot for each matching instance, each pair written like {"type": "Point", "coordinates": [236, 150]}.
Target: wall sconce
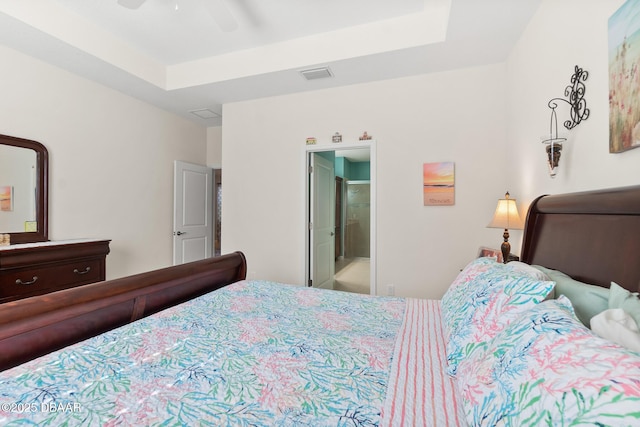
{"type": "Point", "coordinates": [553, 144]}
{"type": "Point", "coordinates": [506, 216]}
{"type": "Point", "coordinates": [578, 112]}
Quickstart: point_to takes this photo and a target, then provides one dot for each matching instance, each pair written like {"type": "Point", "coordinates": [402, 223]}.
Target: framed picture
{"type": "Point", "coordinates": [624, 84]}
{"type": "Point", "coordinates": [6, 198]}
{"type": "Point", "coordinates": [490, 252]}
{"type": "Point", "coordinates": [438, 184]}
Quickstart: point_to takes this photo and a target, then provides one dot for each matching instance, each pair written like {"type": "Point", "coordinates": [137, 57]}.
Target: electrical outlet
{"type": "Point", "coordinates": [391, 290]}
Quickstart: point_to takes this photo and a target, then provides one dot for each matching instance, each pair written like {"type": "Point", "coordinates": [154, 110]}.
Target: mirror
{"type": "Point", "coordinates": [23, 190]}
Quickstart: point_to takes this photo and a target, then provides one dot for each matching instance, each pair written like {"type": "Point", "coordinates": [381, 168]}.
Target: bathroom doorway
{"type": "Point", "coordinates": [354, 266]}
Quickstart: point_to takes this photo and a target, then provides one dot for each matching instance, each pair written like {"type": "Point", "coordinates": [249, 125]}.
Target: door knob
{"type": "Point", "coordinates": [332, 233]}
{"type": "Point", "coordinates": [179, 233]}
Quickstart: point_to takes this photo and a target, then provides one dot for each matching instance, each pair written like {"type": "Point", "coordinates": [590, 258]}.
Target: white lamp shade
{"type": "Point", "coordinates": [506, 216]}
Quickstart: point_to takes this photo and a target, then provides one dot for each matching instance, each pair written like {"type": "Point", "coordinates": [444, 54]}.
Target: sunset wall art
{"type": "Point", "coordinates": [6, 198]}
{"type": "Point", "coordinates": [438, 184]}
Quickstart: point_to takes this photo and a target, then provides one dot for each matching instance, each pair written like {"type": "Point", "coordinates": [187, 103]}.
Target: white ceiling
{"type": "Point", "coordinates": [175, 55]}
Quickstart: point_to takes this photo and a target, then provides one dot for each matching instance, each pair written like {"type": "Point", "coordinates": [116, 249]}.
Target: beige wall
{"type": "Point", "coordinates": [214, 147]}
{"type": "Point", "coordinates": [456, 116]}
{"type": "Point", "coordinates": [111, 159]}
{"type": "Point", "coordinates": [560, 36]}
{"type": "Point", "coordinates": [488, 120]}
{"type": "Point", "coordinates": [539, 68]}
{"type": "Point", "coordinates": [112, 156]}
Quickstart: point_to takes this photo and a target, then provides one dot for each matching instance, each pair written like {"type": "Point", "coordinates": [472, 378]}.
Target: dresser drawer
{"type": "Point", "coordinates": [33, 269]}
{"type": "Point", "coordinates": [25, 282]}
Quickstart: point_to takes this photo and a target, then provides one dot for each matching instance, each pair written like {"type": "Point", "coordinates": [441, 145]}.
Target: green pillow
{"type": "Point", "coordinates": [587, 300]}
{"type": "Point", "coordinates": [628, 301]}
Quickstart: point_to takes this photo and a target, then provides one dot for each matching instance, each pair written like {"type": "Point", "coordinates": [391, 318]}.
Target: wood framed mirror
{"type": "Point", "coordinates": [24, 183]}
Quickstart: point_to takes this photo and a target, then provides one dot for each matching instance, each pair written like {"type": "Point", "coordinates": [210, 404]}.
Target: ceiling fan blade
{"type": "Point", "coordinates": [221, 15]}
{"type": "Point", "coordinates": [131, 4]}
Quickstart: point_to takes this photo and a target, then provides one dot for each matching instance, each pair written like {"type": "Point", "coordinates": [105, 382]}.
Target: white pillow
{"type": "Point", "coordinates": [617, 326]}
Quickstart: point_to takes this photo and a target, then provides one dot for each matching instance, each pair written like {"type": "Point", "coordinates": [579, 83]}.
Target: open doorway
{"type": "Point", "coordinates": [353, 228]}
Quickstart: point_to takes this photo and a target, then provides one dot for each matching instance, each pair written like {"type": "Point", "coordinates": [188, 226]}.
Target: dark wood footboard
{"type": "Point", "coordinates": [35, 326]}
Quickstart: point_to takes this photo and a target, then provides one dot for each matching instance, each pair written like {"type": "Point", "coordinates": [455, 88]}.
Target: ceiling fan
{"type": "Point", "coordinates": [216, 8]}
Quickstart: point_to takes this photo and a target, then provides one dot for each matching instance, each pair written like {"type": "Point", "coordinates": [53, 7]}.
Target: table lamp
{"type": "Point", "coordinates": [506, 216]}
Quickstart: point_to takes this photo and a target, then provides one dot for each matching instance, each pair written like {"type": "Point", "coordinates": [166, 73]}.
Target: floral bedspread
{"type": "Point", "coordinates": [253, 353]}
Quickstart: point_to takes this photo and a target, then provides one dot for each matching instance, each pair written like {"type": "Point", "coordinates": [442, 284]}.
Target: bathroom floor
{"type": "Point", "coordinates": [353, 275]}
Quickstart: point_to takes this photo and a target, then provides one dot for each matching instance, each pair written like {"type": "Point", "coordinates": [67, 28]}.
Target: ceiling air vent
{"type": "Point", "coordinates": [316, 73]}
{"type": "Point", "coordinates": [205, 113]}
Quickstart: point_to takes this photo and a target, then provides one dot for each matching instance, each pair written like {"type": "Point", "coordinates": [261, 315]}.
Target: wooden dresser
{"type": "Point", "coordinates": [38, 268]}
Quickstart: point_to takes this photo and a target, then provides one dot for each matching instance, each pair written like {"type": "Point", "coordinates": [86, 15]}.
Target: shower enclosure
{"type": "Point", "coordinates": [358, 220]}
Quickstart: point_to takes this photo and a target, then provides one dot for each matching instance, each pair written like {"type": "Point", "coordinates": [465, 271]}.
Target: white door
{"type": "Point", "coordinates": [193, 212]}
{"type": "Point", "coordinates": [322, 228]}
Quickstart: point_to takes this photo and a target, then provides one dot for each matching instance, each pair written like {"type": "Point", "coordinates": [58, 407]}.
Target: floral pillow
{"type": "Point", "coordinates": [547, 368]}
{"type": "Point", "coordinates": [482, 300]}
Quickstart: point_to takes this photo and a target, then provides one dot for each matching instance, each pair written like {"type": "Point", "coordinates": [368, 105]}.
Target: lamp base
{"type": "Point", "coordinates": [505, 247]}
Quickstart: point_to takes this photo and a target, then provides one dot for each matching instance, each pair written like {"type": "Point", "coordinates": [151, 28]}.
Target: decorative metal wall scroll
{"type": "Point", "coordinates": [575, 98]}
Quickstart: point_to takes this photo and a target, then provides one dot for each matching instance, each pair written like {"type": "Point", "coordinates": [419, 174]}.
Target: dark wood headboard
{"type": "Point", "coordinates": [592, 236]}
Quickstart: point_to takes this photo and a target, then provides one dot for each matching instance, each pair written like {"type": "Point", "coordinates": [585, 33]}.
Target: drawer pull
{"type": "Point", "coordinates": [20, 282]}
{"type": "Point", "coordinates": [86, 270]}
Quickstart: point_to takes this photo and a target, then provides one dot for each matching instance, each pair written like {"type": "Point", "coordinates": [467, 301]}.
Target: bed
{"type": "Point", "coordinates": [198, 344]}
